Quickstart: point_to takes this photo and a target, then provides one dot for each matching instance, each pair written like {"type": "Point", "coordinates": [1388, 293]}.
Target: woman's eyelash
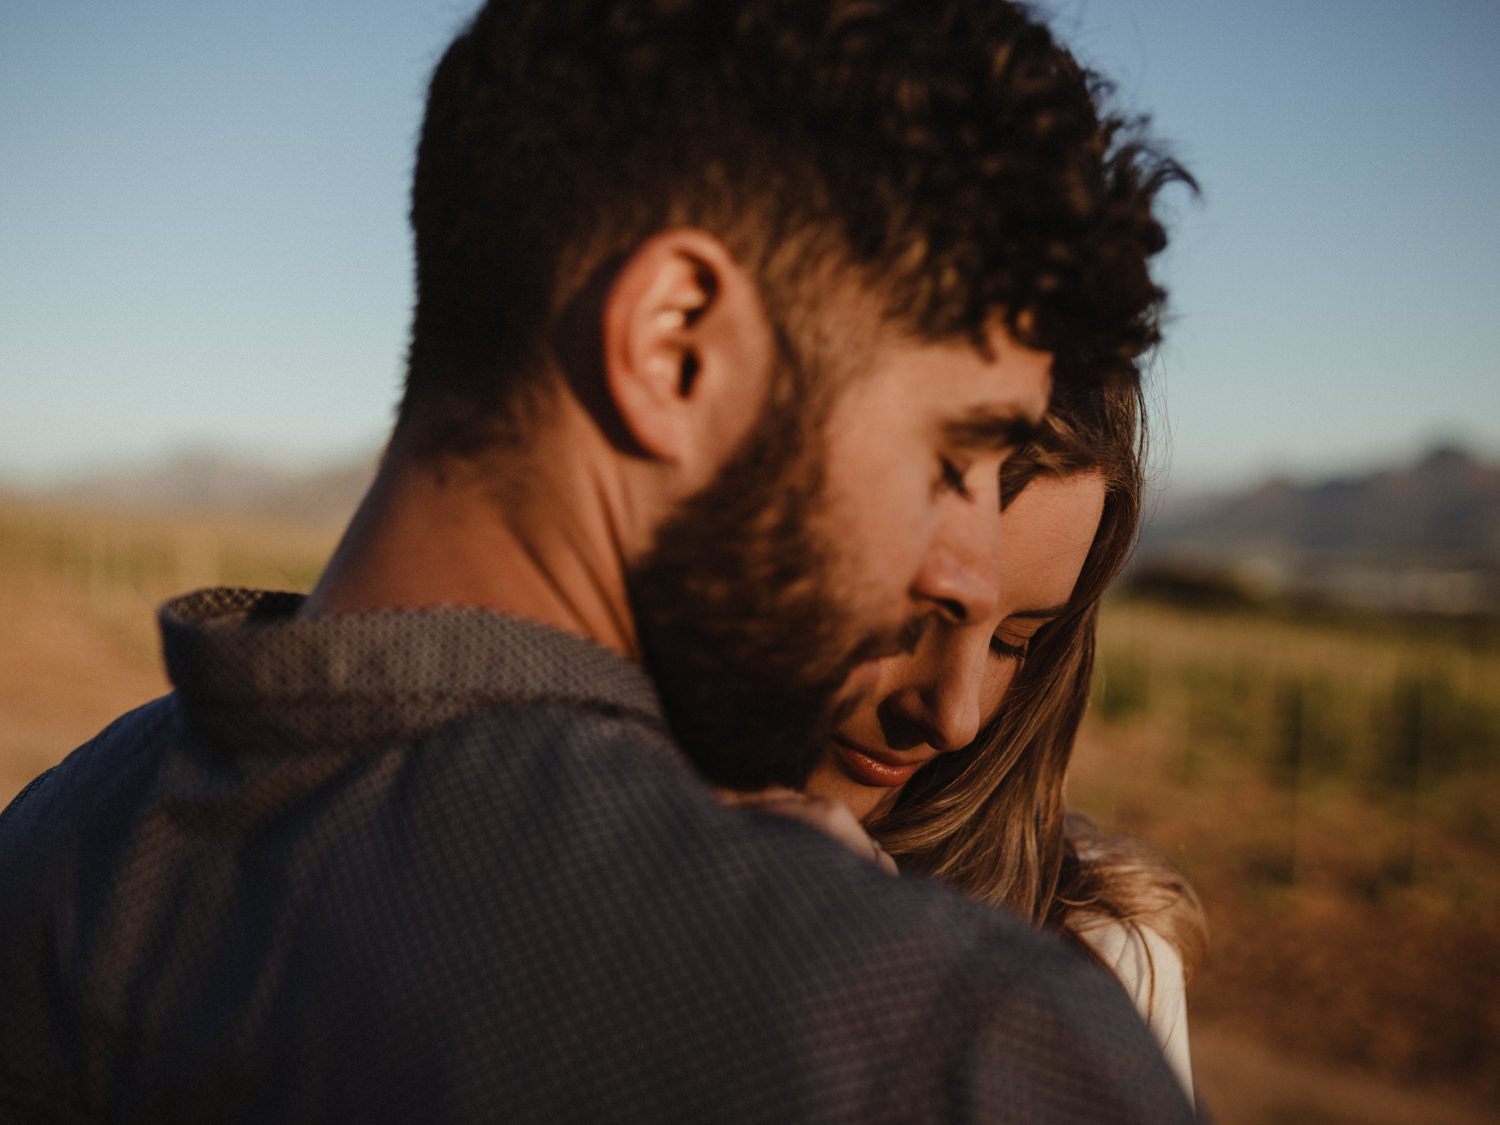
{"type": "Point", "coordinates": [1005, 648]}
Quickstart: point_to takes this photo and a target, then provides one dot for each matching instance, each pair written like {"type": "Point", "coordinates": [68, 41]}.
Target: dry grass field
{"type": "Point", "coordinates": [1332, 787]}
{"type": "Point", "coordinates": [78, 592]}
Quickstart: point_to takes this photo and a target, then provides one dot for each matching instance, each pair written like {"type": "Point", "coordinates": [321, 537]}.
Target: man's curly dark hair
{"type": "Point", "coordinates": [947, 155]}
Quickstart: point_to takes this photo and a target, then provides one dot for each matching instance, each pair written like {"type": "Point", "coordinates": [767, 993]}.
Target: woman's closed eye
{"type": "Point", "coordinates": [1010, 650]}
{"type": "Point", "coordinates": [1014, 635]}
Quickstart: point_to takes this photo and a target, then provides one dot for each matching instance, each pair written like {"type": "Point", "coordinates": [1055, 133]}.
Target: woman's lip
{"type": "Point", "coordinates": [872, 771]}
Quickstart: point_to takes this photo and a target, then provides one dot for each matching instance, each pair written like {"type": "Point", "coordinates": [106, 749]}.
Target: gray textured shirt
{"type": "Point", "coordinates": [446, 865]}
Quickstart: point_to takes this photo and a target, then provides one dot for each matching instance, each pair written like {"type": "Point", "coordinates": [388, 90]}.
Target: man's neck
{"type": "Point", "coordinates": [522, 533]}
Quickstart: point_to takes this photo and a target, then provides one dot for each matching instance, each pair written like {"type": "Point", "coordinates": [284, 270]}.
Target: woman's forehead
{"type": "Point", "coordinates": [1045, 537]}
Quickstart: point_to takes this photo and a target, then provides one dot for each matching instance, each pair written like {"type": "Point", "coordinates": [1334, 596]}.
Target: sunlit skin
{"type": "Point", "coordinates": [912, 456]}
{"type": "Point", "coordinates": [936, 699]}
{"type": "Point", "coordinates": [769, 586]}
{"type": "Point", "coordinates": [910, 481]}
{"type": "Point", "coordinates": [908, 457]}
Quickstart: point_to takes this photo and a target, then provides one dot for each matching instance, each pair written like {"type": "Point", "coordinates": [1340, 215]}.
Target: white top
{"type": "Point", "coordinates": [1151, 972]}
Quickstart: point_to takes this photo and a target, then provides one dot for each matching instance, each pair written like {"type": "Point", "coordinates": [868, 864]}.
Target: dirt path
{"type": "Point", "coordinates": [1244, 1082]}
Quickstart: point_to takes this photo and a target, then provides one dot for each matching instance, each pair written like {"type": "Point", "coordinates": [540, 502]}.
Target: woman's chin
{"type": "Point", "coordinates": [832, 778]}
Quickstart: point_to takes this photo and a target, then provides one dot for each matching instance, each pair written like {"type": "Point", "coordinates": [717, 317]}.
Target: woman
{"type": "Point", "coordinates": [951, 782]}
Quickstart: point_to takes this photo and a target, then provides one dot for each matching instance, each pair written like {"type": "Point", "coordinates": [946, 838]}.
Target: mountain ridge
{"type": "Point", "coordinates": [202, 481]}
{"type": "Point", "coordinates": [1425, 536]}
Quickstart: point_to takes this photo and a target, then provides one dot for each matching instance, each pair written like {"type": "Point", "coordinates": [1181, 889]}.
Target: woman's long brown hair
{"type": "Point", "coordinates": [990, 819]}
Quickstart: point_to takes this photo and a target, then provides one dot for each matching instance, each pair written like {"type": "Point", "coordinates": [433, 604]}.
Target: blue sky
{"type": "Point", "coordinates": [203, 236]}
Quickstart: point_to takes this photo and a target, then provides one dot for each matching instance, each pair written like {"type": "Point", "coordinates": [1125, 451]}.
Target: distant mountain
{"type": "Point", "coordinates": [1421, 537]}
{"type": "Point", "coordinates": [207, 481]}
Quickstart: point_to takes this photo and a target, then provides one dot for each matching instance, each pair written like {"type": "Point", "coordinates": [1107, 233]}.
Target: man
{"type": "Point", "coordinates": [727, 314]}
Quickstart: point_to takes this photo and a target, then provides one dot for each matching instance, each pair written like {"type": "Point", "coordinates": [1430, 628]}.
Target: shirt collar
{"type": "Point", "coordinates": [251, 674]}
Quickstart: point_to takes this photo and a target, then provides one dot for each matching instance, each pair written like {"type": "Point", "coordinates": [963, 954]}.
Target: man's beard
{"type": "Point", "coordinates": [738, 623]}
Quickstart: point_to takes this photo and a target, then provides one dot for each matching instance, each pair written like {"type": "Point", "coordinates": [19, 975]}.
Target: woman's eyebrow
{"type": "Point", "coordinates": [1048, 611]}
{"type": "Point", "coordinates": [986, 429]}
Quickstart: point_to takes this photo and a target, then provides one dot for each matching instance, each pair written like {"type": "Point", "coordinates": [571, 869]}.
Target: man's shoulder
{"type": "Point", "coordinates": [110, 767]}
{"type": "Point", "coordinates": [750, 937]}
{"type": "Point", "coordinates": [522, 880]}
{"type": "Point", "coordinates": [599, 812]}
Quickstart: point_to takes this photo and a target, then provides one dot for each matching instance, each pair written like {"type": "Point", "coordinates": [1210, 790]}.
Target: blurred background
{"type": "Point", "coordinates": [204, 293]}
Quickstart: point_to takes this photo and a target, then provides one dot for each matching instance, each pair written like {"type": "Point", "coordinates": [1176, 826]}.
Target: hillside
{"type": "Point", "coordinates": [207, 481]}
{"type": "Point", "coordinates": [1422, 537]}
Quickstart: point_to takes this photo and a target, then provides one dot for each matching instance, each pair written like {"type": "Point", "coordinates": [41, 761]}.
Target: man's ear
{"type": "Point", "coordinates": [686, 349]}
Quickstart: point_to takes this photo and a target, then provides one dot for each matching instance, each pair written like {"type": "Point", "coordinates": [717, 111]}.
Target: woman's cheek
{"type": "Point", "coordinates": [997, 682]}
